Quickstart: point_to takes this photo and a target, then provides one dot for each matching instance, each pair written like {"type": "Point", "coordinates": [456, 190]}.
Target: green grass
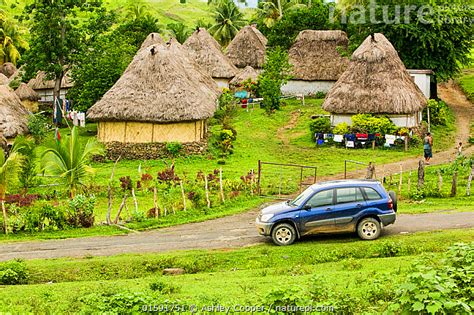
{"type": "Point", "coordinates": [466, 82]}
{"type": "Point", "coordinates": [341, 265]}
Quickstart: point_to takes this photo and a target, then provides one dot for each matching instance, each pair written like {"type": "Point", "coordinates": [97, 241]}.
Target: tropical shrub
{"type": "Point", "coordinates": [44, 217]}
{"type": "Point", "coordinates": [439, 113]}
{"type": "Point", "coordinates": [224, 142]}
{"type": "Point", "coordinates": [38, 127]}
{"type": "Point", "coordinates": [341, 129]}
{"type": "Point", "coordinates": [445, 289]}
{"type": "Point", "coordinates": [174, 148]}
{"type": "Point", "coordinates": [320, 125]}
{"type": "Point", "coordinates": [13, 272]}
{"type": "Point", "coordinates": [227, 108]}
{"type": "Point", "coordinates": [69, 159]}
{"type": "Point", "coordinates": [81, 211]}
{"type": "Point", "coordinates": [371, 124]}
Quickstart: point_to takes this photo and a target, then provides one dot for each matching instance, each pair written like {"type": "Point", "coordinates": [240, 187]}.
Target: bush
{"type": "Point", "coordinates": [341, 129]}
{"type": "Point", "coordinates": [38, 126]}
{"type": "Point", "coordinates": [81, 211]}
{"type": "Point", "coordinates": [439, 113]}
{"type": "Point", "coordinates": [227, 108]}
{"type": "Point", "coordinates": [370, 124]}
{"type": "Point", "coordinates": [320, 125]}
{"type": "Point", "coordinates": [13, 272]}
{"type": "Point", "coordinates": [443, 289]}
{"type": "Point", "coordinates": [174, 148]}
{"type": "Point", "coordinates": [224, 142]}
{"type": "Point", "coordinates": [45, 217]}
{"type": "Point", "coordinates": [320, 95]}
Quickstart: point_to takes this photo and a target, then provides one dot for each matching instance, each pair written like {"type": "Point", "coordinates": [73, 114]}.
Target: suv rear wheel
{"type": "Point", "coordinates": [283, 234]}
{"type": "Point", "coordinates": [369, 229]}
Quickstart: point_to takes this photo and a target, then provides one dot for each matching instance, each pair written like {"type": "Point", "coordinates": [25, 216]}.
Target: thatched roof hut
{"type": "Point", "coordinates": [3, 79]}
{"type": "Point", "coordinates": [29, 98]}
{"type": "Point", "coordinates": [243, 75]}
{"type": "Point", "coordinates": [40, 82]}
{"type": "Point", "coordinates": [13, 116]}
{"type": "Point", "coordinates": [316, 55]}
{"type": "Point", "coordinates": [8, 69]}
{"type": "Point", "coordinates": [24, 92]}
{"type": "Point", "coordinates": [207, 52]}
{"type": "Point", "coordinates": [248, 48]}
{"type": "Point", "coordinates": [161, 97]}
{"type": "Point", "coordinates": [377, 82]}
{"type": "Point", "coordinates": [152, 39]}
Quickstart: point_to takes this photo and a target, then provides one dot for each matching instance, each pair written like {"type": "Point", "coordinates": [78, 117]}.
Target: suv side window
{"type": "Point", "coordinates": [348, 194]}
{"type": "Point", "coordinates": [371, 193]}
{"type": "Point", "coordinates": [321, 199]}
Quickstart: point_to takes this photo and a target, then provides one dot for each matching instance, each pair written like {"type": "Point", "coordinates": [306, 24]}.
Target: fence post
{"type": "Point", "coordinates": [259, 191]}
{"type": "Point", "coordinates": [421, 174]}
{"type": "Point", "coordinates": [345, 169]}
{"type": "Point", "coordinates": [409, 183]}
{"type": "Point", "coordinates": [454, 186]}
{"type": "Point", "coordinates": [469, 180]}
{"type": "Point", "coordinates": [182, 194]}
{"type": "Point", "coordinates": [220, 185]}
{"type": "Point", "coordinates": [440, 182]}
{"type": "Point", "coordinates": [401, 181]}
{"type": "Point", "coordinates": [207, 191]}
{"type": "Point", "coordinates": [316, 173]}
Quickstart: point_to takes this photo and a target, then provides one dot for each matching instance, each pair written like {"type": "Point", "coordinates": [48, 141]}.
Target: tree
{"type": "Point", "coordinates": [69, 159]}
{"type": "Point", "coordinates": [276, 72]}
{"type": "Point", "coordinates": [285, 30]}
{"type": "Point", "coordinates": [271, 11]}
{"type": "Point", "coordinates": [9, 168]}
{"type": "Point", "coordinates": [228, 21]}
{"type": "Point", "coordinates": [434, 35]}
{"type": "Point", "coordinates": [179, 31]}
{"type": "Point", "coordinates": [56, 36]}
{"type": "Point", "coordinates": [105, 55]}
{"type": "Point", "coordinates": [12, 39]}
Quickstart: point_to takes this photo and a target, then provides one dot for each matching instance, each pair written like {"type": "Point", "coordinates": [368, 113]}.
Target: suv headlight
{"type": "Point", "coordinates": [266, 217]}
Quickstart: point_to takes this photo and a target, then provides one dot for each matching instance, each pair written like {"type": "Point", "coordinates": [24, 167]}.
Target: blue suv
{"type": "Point", "coordinates": [330, 207]}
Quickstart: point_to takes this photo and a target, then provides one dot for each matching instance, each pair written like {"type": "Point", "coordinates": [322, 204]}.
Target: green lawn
{"type": "Point", "coordinates": [355, 276]}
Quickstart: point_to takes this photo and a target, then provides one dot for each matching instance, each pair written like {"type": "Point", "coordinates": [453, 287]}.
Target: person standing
{"type": "Point", "coordinates": [428, 147]}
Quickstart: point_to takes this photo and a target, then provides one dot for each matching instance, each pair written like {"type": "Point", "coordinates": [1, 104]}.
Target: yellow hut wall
{"type": "Point", "coordinates": [139, 132]}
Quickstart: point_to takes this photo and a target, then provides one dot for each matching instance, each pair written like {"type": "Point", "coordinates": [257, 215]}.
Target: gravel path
{"type": "Point", "coordinates": [229, 232]}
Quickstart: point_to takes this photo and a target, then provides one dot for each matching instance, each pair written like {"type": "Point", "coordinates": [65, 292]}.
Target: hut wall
{"type": "Point", "coordinates": [32, 106]}
{"type": "Point", "coordinates": [408, 121]}
{"type": "Point", "coordinates": [299, 87]}
{"type": "Point", "coordinates": [222, 83]}
{"type": "Point", "coordinates": [138, 132]}
{"type": "Point", "coordinates": [46, 95]}
{"type": "Point", "coordinates": [423, 81]}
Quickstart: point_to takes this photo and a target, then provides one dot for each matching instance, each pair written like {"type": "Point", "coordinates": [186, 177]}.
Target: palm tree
{"type": "Point", "coordinates": [272, 10]}
{"type": "Point", "coordinates": [12, 39]}
{"type": "Point", "coordinates": [69, 160]}
{"type": "Point", "coordinates": [9, 168]}
{"type": "Point", "coordinates": [179, 31]}
{"type": "Point", "coordinates": [137, 9]}
{"type": "Point", "coordinates": [228, 21]}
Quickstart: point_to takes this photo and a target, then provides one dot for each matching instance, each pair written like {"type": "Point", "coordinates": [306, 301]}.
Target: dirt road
{"type": "Point", "coordinates": [229, 232]}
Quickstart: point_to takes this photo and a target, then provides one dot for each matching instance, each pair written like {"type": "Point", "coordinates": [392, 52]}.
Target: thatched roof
{"type": "Point", "coordinates": [376, 81]}
{"type": "Point", "coordinates": [13, 116]}
{"type": "Point", "coordinates": [243, 75]}
{"type": "Point", "coordinates": [4, 79]}
{"type": "Point", "coordinates": [40, 82]}
{"type": "Point", "coordinates": [24, 92]}
{"type": "Point", "coordinates": [161, 84]}
{"type": "Point", "coordinates": [152, 39]}
{"type": "Point", "coordinates": [207, 52]}
{"type": "Point", "coordinates": [316, 55]}
{"type": "Point", "coordinates": [8, 69]}
{"type": "Point", "coordinates": [248, 48]}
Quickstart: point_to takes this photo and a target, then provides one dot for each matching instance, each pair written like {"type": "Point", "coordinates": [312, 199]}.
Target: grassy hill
{"type": "Point", "coordinates": [167, 11]}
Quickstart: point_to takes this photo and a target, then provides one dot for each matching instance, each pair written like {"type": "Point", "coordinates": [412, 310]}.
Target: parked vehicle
{"type": "Point", "coordinates": [362, 206]}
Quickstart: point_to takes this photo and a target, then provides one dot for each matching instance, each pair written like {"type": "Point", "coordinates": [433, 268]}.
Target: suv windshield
{"type": "Point", "coordinates": [298, 201]}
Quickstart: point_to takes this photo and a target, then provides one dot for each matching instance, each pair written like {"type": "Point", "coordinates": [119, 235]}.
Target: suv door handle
{"type": "Point", "coordinates": [328, 209]}
{"type": "Point", "coordinates": [359, 205]}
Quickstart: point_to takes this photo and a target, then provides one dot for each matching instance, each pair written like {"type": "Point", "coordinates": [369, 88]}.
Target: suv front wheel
{"type": "Point", "coordinates": [369, 229]}
{"type": "Point", "coordinates": [283, 234]}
